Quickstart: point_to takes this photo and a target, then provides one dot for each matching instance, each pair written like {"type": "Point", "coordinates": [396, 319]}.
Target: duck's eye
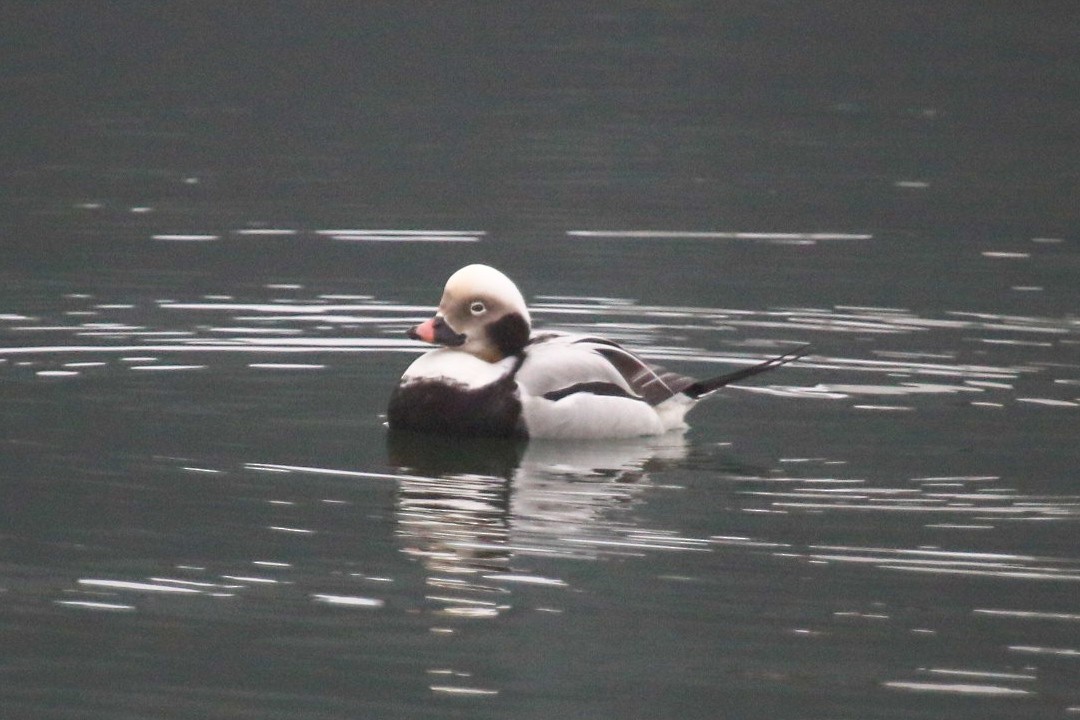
{"type": "Point", "coordinates": [477, 308]}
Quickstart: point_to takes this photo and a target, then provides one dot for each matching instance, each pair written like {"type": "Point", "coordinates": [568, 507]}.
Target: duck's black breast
{"type": "Point", "coordinates": [448, 408]}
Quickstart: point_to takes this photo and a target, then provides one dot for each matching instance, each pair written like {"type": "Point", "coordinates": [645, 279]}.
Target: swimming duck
{"type": "Point", "coordinates": [491, 376]}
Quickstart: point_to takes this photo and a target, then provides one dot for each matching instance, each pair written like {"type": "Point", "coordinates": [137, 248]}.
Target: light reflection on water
{"type": "Point", "coordinates": [215, 233]}
{"type": "Point", "coordinates": [488, 532]}
{"type": "Point", "coordinates": [481, 535]}
{"type": "Point", "coordinates": [473, 533]}
{"type": "Point", "coordinates": [326, 324]}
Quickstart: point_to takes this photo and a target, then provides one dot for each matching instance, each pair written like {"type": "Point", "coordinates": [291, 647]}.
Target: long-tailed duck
{"type": "Point", "coordinates": [492, 377]}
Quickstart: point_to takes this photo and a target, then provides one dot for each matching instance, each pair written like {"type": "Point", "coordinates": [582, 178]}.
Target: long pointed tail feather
{"type": "Point", "coordinates": [701, 388]}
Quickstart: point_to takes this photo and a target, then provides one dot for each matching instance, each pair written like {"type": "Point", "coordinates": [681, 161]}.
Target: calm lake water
{"type": "Point", "coordinates": [217, 224]}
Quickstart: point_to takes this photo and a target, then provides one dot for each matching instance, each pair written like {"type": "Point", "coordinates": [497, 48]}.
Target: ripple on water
{"type": "Point", "coordinates": [327, 322]}
{"type": "Point", "coordinates": [481, 550]}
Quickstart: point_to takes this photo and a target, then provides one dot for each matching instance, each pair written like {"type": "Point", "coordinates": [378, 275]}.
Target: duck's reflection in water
{"type": "Point", "coordinates": [476, 511]}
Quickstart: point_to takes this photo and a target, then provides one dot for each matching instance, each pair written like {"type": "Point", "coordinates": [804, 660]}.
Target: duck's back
{"type": "Point", "coordinates": [575, 386]}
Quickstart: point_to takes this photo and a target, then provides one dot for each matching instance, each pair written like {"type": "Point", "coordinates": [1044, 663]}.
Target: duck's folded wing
{"type": "Point", "coordinates": [561, 365]}
{"type": "Point", "coordinates": [652, 383]}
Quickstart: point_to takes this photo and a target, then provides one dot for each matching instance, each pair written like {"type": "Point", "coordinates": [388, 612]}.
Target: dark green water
{"type": "Point", "coordinates": [217, 223]}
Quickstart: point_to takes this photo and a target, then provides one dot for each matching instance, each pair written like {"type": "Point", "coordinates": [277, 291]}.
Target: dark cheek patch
{"type": "Point", "coordinates": [509, 334]}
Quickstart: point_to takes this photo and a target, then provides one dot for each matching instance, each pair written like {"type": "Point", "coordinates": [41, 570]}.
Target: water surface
{"type": "Point", "coordinates": [217, 232]}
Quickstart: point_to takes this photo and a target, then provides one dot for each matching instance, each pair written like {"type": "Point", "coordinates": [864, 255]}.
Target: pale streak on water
{"type": "Point", "coordinates": [620, 318]}
{"type": "Point", "coordinates": [491, 538]}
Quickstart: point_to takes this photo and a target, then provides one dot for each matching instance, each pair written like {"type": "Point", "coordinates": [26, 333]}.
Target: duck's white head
{"type": "Point", "coordinates": [481, 312]}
